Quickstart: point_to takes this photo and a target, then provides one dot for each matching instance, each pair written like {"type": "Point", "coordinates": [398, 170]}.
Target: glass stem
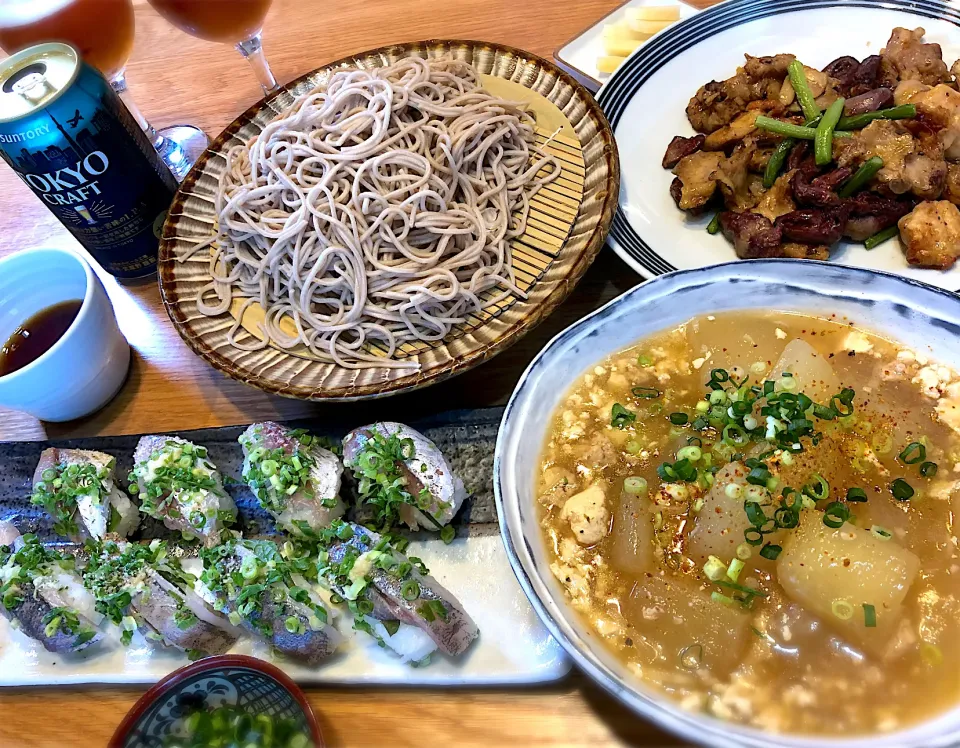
{"type": "Point", "coordinates": [119, 84]}
{"type": "Point", "coordinates": [252, 50]}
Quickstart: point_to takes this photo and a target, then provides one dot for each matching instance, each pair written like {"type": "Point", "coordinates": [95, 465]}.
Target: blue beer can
{"type": "Point", "coordinates": [66, 134]}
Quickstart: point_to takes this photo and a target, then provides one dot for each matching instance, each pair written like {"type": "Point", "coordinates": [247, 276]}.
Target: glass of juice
{"type": "Point", "coordinates": [102, 31]}
{"type": "Point", "coordinates": [239, 22]}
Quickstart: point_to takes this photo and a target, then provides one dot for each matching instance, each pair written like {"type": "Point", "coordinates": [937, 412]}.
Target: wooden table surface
{"type": "Point", "coordinates": [176, 78]}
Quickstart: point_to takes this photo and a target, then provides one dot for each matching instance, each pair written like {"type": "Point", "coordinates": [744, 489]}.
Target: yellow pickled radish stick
{"type": "Point", "coordinates": [609, 64]}
{"type": "Point", "coordinates": [654, 13]}
{"type": "Point", "coordinates": [619, 47]}
{"type": "Point", "coordinates": [622, 31]}
{"type": "Point", "coordinates": [648, 27]}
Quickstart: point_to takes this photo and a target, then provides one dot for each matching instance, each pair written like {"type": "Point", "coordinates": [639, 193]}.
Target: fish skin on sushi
{"type": "Point", "coordinates": [42, 594]}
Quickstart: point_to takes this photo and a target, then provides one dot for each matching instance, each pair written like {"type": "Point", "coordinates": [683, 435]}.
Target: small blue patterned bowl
{"type": "Point", "coordinates": [228, 680]}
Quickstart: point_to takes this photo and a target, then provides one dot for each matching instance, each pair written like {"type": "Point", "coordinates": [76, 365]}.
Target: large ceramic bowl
{"type": "Point", "coordinates": [898, 308]}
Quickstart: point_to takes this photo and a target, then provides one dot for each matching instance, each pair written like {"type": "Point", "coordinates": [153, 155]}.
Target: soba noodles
{"type": "Point", "coordinates": [378, 208]}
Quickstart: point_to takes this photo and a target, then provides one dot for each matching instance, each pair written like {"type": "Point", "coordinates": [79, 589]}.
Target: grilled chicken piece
{"type": "Point", "coordinates": [399, 590]}
{"type": "Point", "coordinates": [910, 165]}
{"type": "Point", "coordinates": [434, 492]}
{"type": "Point", "coordinates": [41, 592]}
{"type": "Point", "coordinates": [268, 603]}
{"type": "Point", "coordinates": [738, 185]}
{"type": "Point", "coordinates": [799, 251]}
{"type": "Point", "coordinates": [931, 235]}
{"type": "Point", "coordinates": [951, 188]}
{"type": "Point", "coordinates": [180, 486]}
{"type": "Point", "coordinates": [78, 489]}
{"type": "Point", "coordinates": [697, 174]}
{"type": "Point", "coordinates": [911, 59]}
{"type": "Point", "coordinates": [292, 476]}
{"type": "Point", "coordinates": [728, 135]}
{"type": "Point", "coordinates": [939, 105]}
{"type": "Point", "coordinates": [143, 586]}
{"type": "Point", "coordinates": [718, 103]}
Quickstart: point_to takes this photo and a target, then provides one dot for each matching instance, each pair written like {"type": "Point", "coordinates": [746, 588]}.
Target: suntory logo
{"type": "Point", "coordinates": [70, 185]}
{"type": "Point", "coordinates": [26, 135]}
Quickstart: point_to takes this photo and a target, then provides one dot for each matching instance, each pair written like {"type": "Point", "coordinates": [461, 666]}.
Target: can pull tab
{"type": "Point", "coordinates": [30, 83]}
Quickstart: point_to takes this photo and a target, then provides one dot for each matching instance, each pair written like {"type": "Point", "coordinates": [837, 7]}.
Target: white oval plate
{"type": "Point", "coordinates": [646, 99]}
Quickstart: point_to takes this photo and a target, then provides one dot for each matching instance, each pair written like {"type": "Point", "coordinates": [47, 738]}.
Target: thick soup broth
{"type": "Point", "coordinates": [755, 511]}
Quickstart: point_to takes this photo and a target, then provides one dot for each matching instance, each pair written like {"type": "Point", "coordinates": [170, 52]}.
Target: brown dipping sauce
{"type": "Point", "coordinates": [37, 335]}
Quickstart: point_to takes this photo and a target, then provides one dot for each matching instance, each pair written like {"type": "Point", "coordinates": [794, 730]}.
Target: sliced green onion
{"type": "Point", "coordinates": [734, 569]}
{"type": "Point", "coordinates": [842, 609]}
{"type": "Point", "coordinates": [928, 469]}
{"type": "Point", "coordinates": [835, 515]}
{"type": "Point", "coordinates": [410, 590]}
{"type": "Point", "coordinates": [714, 568]}
{"type": "Point", "coordinates": [679, 419]}
{"type": "Point", "coordinates": [901, 490]}
{"type": "Point", "coordinates": [856, 494]}
{"type": "Point", "coordinates": [771, 551]}
{"type": "Point", "coordinates": [880, 533]}
{"type": "Point", "coordinates": [717, 597]}
{"type": "Point", "coordinates": [689, 453]}
{"type": "Point", "coordinates": [913, 453]}
{"type": "Point", "coordinates": [818, 489]}
{"type": "Point", "coordinates": [620, 416]}
{"type": "Point", "coordinates": [869, 616]}
{"type": "Point", "coordinates": [648, 393]}
{"type": "Point", "coordinates": [635, 485]}
{"type": "Point", "coordinates": [733, 491]}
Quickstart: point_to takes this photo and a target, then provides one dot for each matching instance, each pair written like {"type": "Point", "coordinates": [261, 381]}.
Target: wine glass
{"type": "Point", "coordinates": [238, 22]}
{"type": "Point", "coordinates": [102, 31]}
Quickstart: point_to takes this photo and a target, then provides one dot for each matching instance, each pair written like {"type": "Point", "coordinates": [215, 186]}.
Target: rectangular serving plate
{"type": "Point", "coordinates": [513, 647]}
{"type": "Point", "coordinates": [579, 55]}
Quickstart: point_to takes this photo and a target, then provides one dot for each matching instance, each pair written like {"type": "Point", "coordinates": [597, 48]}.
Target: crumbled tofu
{"type": "Point", "coordinates": [699, 362]}
{"type": "Point", "coordinates": [587, 514]}
{"type": "Point", "coordinates": [781, 335]}
{"type": "Point", "coordinates": [906, 356]}
{"type": "Point", "coordinates": [857, 342]}
{"type": "Point", "coordinates": [932, 380]}
{"type": "Point", "coordinates": [618, 381]}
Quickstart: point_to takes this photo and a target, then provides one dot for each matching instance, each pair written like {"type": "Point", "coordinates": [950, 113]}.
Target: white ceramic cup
{"type": "Point", "coordinates": [86, 367]}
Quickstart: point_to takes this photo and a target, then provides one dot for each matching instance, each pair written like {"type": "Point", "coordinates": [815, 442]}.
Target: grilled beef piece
{"type": "Point", "coordinates": [680, 147]}
{"type": "Point", "coordinates": [819, 191]}
{"type": "Point", "coordinates": [752, 235]}
{"type": "Point", "coordinates": [870, 213]}
{"type": "Point", "coordinates": [814, 225]}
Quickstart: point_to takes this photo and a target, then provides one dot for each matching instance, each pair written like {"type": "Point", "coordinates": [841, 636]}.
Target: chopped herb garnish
{"type": "Point", "coordinates": [620, 416]}
{"type": "Point", "coordinates": [869, 616]}
{"type": "Point", "coordinates": [901, 490]}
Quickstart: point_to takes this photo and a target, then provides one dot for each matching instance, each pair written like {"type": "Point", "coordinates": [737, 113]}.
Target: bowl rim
{"type": "Point", "coordinates": [171, 681]}
{"type": "Point", "coordinates": [645, 703]}
{"type": "Point", "coordinates": [417, 380]}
